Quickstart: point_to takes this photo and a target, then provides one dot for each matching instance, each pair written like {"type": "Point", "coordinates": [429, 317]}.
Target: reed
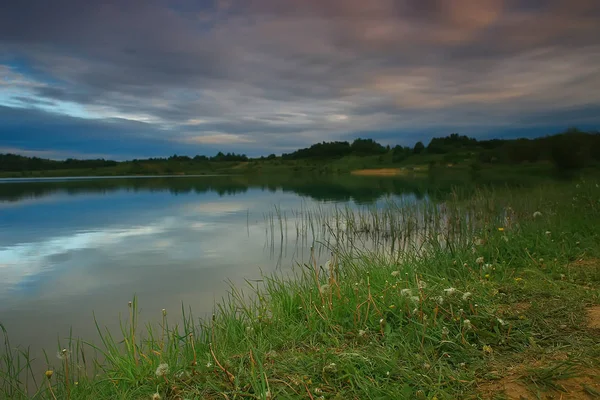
{"type": "Point", "coordinates": [417, 301]}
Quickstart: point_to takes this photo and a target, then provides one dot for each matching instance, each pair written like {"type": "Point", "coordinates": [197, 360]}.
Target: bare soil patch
{"type": "Point", "coordinates": [584, 384]}
{"type": "Point", "coordinates": [593, 317]}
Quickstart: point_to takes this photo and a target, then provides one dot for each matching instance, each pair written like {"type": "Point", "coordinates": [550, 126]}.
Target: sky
{"type": "Point", "coordinates": [127, 79]}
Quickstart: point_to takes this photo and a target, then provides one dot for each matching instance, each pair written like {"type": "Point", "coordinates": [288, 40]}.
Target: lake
{"type": "Point", "coordinates": [72, 249]}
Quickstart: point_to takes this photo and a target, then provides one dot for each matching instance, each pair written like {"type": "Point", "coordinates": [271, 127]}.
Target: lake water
{"type": "Point", "coordinates": [78, 248]}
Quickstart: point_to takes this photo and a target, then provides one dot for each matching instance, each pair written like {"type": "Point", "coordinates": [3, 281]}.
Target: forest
{"type": "Point", "coordinates": [568, 150]}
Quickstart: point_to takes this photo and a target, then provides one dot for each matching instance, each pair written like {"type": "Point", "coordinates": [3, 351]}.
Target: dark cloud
{"type": "Point", "coordinates": [271, 74]}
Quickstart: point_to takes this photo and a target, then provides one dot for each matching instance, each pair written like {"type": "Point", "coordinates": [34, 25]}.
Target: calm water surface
{"type": "Point", "coordinates": [71, 249]}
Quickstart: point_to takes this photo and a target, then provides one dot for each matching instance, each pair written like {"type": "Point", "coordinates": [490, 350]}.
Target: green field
{"type": "Point", "coordinates": [492, 293]}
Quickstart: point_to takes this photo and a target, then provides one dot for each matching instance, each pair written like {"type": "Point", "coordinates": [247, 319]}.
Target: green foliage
{"type": "Point", "coordinates": [419, 148]}
{"type": "Point", "coordinates": [566, 151]}
{"type": "Point", "coordinates": [450, 143]}
{"type": "Point", "coordinates": [485, 280]}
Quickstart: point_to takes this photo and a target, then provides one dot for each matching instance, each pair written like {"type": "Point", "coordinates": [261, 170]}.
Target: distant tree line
{"type": "Point", "coordinates": [14, 162]}
{"type": "Point", "coordinates": [329, 150]}
{"type": "Point", "coordinates": [571, 149]}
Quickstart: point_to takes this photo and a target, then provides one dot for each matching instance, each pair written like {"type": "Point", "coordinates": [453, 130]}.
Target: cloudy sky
{"type": "Point", "coordinates": [136, 78]}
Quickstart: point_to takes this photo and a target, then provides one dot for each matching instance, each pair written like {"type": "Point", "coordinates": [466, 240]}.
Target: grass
{"type": "Point", "coordinates": [487, 291]}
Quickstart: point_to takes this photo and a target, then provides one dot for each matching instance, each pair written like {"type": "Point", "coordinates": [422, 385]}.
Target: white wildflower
{"type": "Point", "coordinates": [415, 299]}
{"type": "Point", "coordinates": [162, 370]}
{"type": "Point", "coordinates": [422, 284]}
{"type": "Point", "coordinates": [156, 396]}
{"type": "Point", "coordinates": [537, 214]}
{"type": "Point", "coordinates": [395, 273]}
{"type": "Point", "coordinates": [323, 289]}
{"type": "Point", "coordinates": [466, 296]}
{"type": "Point", "coordinates": [406, 292]}
{"type": "Point", "coordinates": [467, 324]}
{"type": "Point", "coordinates": [548, 233]}
{"type": "Point", "coordinates": [479, 260]}
{"type": "Point", "coordinates": [486, 267]}
{"type": "Point", "coordinates": [445, 331]}
{"type": "Point", "coordinates": [439, 300]}
{"type": "Point", "coordinates": [361, 332]}
{"type": "Point", "coordinates": [209, 365]}
{"type": "Point", "coordinates": [450, 291]}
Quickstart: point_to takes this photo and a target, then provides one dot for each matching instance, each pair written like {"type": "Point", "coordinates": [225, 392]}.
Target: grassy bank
{"type": "Point", "coordinates": [496, 293]}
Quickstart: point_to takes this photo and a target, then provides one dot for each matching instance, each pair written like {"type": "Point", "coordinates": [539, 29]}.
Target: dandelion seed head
{"type": "Point", "coordinates": [439, 300]}
{"type": "Point", "coordinates": [156, 396]}
{"type": "Point", "coordinates": [324, 288]}
{"type": "Point", "coordinates": [466, 296]}
{"type": "Point", "coordinates": [467, 324]}
{"type": "Point", "coordinates": [406, 292]}
{"type": "Point", "coordinates": [450, 291]}
{"type": "Point", "coordinates": [479, 260]}
{"type": "Point", "coordinates": [62, 354]}
{"type": "Point", "coordinates": [162, 370]}
{"type": "Point", "coordinates": [422, 284]}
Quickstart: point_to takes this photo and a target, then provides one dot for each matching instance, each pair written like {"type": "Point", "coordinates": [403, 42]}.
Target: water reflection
{"type": "Point", "coordinates": [70, 248]}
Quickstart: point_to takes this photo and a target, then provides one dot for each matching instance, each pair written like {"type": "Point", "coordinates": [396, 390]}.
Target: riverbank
{"type": "Point", "coordinates": [501, 295]}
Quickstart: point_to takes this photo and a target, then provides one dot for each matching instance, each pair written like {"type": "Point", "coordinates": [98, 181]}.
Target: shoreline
{"type": "Point", "coordinates": [511, 306]}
